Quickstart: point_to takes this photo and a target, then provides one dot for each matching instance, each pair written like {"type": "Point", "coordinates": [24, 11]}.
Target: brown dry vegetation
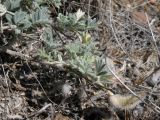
{"type": "Point", "coordinates": [128, 35]}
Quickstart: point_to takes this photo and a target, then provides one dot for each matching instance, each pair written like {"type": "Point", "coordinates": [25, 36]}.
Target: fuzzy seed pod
{"type": "Point", "coordinates": [126, 101]}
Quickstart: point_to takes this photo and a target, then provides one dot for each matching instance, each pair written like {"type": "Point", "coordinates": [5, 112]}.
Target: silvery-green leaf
{"type": "Point", "coordinates": [57, 3]}
{"type": "Point", "coordinates": [100, 67]}
{"type": "Point", "coordinates": [60, 58]}
{"type": "Point", "coordinates": [21, 19]}
{"type": "Point", "coordinates": [9, 18]}
{"type": "Point", "coordinates": [79, 14]}
{"type": "Point", "coordinates": [3, 10]}
{"type": "Point", "coordinates": [41, 16]}
{"type": "Point", "coordinates": [17, 31]}
{"type": "Point", "coordinates": [91, 23]}
{"type": "Point", "coordinates": [12, 4]}
{"type": "Point", "coordinates": [19, 16]}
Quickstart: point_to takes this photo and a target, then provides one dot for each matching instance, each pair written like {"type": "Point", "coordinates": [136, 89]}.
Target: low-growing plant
{"type": "Point", "coordinates": [81, 53]}
{"type": "Point", "coordinates": [76, 21]}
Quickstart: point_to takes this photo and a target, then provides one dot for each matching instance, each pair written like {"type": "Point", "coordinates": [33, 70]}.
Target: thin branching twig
{"type": "Point", "coordinates": [154, 40]}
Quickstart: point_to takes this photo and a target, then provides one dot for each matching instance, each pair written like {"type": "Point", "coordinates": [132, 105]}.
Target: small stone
{"type": "Point", "coordinates": [66, 90]}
